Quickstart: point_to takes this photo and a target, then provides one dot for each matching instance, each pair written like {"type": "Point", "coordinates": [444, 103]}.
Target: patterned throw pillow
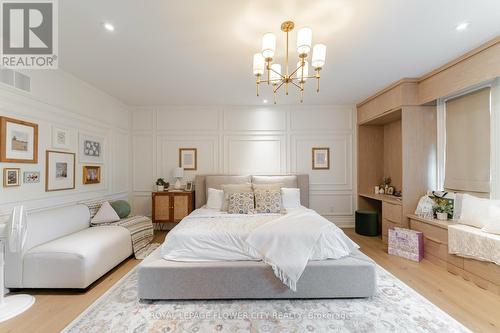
{"type": "Point", "coordinates": [240, 203]}
{"type": "Point", "coordinates": [268, 201]}
{"type": "Point", "coordinates": [94, 206]}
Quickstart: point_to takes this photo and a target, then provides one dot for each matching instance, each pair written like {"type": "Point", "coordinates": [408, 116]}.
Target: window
{"type": "Point", "coordinates": [467, 164]}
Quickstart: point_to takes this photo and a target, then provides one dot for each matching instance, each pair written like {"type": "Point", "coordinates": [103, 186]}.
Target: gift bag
{"type": "Point", "coordinates": [406, 243]}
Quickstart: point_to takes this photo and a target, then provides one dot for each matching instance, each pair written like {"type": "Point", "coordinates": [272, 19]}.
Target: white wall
{"type": "Point", "coordinates": [60, 99]}
{"type": "Point", "coordinates": [248, 140]}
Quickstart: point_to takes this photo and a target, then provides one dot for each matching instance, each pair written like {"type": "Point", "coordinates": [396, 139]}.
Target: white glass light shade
{"type": "Point", "coordinates": [178, 172]}
{"type": "Point", "coordinates": [302, 73]}
{"type": "Point", "coordinates": [258, 64]}
{"type": "Point", "coordinates": [304, 40]}
{"type": "Point", "coordinates": [268, 45]}
{"type": "Point", "coordinates": [275, 69]}
{"type": "Point", "coordinates": [319, 56]}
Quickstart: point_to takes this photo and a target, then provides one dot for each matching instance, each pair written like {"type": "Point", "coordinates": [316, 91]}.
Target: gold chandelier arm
{"type": "Point", "coordinates": [295, 84]}
{"type": "Point", "coordinates": [275, 90]}
{"type": "Point", "coordinates": [283, 77]}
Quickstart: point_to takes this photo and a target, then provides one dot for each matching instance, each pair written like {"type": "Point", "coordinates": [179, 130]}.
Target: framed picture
{"type": "Point", "coordinates": [91, 174]}
{"type": "Point", "coordinates": [18, 141]}
{"type": "Point", "coordinates": [60, 138]}
{"type": "Point", "coordinates": [189, 186]}
{"type": "Point", "coordinates": [11, 177]}
{"type": "Point", "coordinates": [321, 158]}
{"type": "Point", "coordinates": [91, 149]}
{"type": "Point", "coordinates": [187, 158]}
{"type": "Point", "coordinates": [59, 171]}
{"type": "Point", "coordinates": [31, 177]}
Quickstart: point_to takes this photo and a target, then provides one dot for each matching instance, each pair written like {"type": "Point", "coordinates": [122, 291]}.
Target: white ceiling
{"type": "Point", "coordinates": [200, 52]}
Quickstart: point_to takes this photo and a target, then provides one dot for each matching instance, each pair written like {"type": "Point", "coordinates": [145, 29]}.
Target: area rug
{"type": "Point", "coordinates": [395, 308]}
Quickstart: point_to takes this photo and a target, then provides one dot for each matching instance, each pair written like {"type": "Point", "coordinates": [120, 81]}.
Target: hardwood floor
{"type": "Point", "coordinates": [476, 308]}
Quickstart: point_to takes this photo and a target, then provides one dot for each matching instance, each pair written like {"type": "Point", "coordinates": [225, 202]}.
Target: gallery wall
{"type": "Point", "coordinates": [248, 140]}
{"type": "Point", "coordinates": [58, 99]}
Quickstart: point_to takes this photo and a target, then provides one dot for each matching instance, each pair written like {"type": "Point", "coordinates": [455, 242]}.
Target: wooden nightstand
{"type": "Point", "coordinates": [171, 206]}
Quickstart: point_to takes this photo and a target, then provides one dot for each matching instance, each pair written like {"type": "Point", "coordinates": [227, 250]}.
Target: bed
{"type": "Point", "coordinates": [198, 268]}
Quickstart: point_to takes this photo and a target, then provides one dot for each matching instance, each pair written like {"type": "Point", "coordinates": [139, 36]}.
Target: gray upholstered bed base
{"type": "Point", "coordinates": [350, 277]}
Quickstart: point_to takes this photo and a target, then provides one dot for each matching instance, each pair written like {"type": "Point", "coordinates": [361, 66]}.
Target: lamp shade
{"type": "Point", "coordinates": [274, 76]}
{"type": "Point", "coordinates": [304, 40]}
{"type": "Point", "coordinates": [268, 45]}
{"type": "Point", "coordinates": [302, 73]}
{"type": "Point", "coordinates": [319, 56]}
{"type": "Point", "coordinates": [178, 172]}
{"type": "Point", "coordinates": [258, 64]}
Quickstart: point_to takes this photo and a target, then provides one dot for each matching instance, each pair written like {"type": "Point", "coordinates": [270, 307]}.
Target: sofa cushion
{"type": "Point", "coordinates": [122, 208]}
{"type": "Point", "coordinates": [76, 260]}
{"type": "Point", "coordinates": [106, 214]}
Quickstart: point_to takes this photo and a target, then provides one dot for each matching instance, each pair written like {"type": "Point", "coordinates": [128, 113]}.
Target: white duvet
{"type": "Point", "coordinates": [286, 242]}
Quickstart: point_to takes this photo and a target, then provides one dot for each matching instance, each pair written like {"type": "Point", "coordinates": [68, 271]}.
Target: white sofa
{"type": "Point", "coordinates": [62, 251]}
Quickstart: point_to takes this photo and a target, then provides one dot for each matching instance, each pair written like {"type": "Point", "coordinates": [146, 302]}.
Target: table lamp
{"type": "Point", "coordinates": [178, 174]}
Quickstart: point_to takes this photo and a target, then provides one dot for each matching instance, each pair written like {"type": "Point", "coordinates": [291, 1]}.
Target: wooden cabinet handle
{"type": "Point", "coordinates": [434, 240]}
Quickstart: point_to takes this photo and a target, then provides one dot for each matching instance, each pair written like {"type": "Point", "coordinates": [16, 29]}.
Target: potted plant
{"type": "Point", "coordinates": [443, 208]}
{"type": "Point", "coordinates": [160, 185]}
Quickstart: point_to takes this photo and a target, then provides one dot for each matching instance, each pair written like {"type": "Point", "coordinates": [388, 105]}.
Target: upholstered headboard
{"type": "Point", "coordinates": [203, 182]}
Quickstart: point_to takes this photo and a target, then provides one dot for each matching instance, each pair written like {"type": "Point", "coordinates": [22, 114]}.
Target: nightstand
{"type": "Point", "coordinates": [171, 206]}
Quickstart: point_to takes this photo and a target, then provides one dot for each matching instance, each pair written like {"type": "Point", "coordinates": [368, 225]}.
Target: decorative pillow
{"type": "Point", "coordinates": [290, 197]}
{"type": "Point", "coordinates": [476, 211]}
{"type": "Point", "coordinates": [268, 201]}
{"type": "Point", "coordinates": [493, 224]}
{"type": "Point", "coordinates": [93, 206]}
{"type": "Point", "coordinates": [234, 188]}
{"type": "Point", "coordinates": [121, 207]}
{"type": "Point", "coordinates": [106, 214]}
{"type": "Point", "coordinates": [215, 198]}
{"type": "Point", "coordinates": [241, 203]}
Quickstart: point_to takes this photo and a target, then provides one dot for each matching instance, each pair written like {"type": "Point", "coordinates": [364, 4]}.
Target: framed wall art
{"type": "Point", "coordinates": [187, 158]}
{"type": "Point", "coordinates": [59, 171]}
{"type": "Point", "coordinates": [321, 158]}
{"type": "Point", "coordinates": [91, 174]}
{"type": "Point", "coordinates": [18, 141]}
{"type": "Point", "coordinates": [61, 138]}
{"type": "Point", "coordinates": [11, 177]}
{"type": "Point", "coordinates": [91, 149]}
{"type": "Point", "coordinates": [31, 177]}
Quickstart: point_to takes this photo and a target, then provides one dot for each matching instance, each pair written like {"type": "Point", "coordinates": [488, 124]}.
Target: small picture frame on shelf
{"type": "Point", "coordinates": [189, 187]}
{"type": "Point", "coordinates": [390, 190]}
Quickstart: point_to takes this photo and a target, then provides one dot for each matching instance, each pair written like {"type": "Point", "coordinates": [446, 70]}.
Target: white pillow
{"type": "Point", "coordinates": [476, 211]}
{"type": "Point", "coordinates": [215, 198]}
{"type": "Point", "coordinates": [106, 214]}
{"type": "Point", "coordinates": [493, 224]}
{"type": "Point", "coordinates": [290, 197]}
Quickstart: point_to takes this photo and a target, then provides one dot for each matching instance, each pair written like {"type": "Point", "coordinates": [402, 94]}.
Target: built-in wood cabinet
{"type": "Point", "coordinates": [484, 274]}
{"type": "Point", "coordinates": [171, 206]}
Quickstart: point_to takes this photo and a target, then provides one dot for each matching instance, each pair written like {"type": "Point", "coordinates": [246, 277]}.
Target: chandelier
{"type": "Point", "coordinates": [277, 77]}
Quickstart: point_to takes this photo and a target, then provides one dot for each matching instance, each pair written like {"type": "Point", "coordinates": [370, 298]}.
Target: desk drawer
{"type": "Point", "coordinates": [391, 212]}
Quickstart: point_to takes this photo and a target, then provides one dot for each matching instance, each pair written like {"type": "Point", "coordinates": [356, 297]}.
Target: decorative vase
{"type": "Point", "coordinates": [377, 189]}
{"type": "Point", "coordinates": [160, 188]}
{"type": "Point", "coordinates": [442, 216]}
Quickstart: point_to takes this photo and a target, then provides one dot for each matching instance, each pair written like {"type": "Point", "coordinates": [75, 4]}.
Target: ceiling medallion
{"type": "Point", "coordinates": [298, 76]}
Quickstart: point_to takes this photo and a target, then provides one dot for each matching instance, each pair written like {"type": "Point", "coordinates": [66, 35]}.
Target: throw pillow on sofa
{"type": "Point", "coordinates": [121, 207]}
{"type": "Point", "coordinates": [106, 214]}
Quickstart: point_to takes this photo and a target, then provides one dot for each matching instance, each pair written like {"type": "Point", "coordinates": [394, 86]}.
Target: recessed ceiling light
{"type": "Point", "coordinates": [108, 26]}
{"type": "Point", "coordinates": [462, 26]}
{"type": "Point", "coordinates": [264, 101]}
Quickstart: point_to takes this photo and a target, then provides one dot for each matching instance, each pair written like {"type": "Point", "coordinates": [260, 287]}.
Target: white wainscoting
{"type": "Point", "coordinates": [248, 140]}
{"type": "Point", "coordinates": [106, 117]}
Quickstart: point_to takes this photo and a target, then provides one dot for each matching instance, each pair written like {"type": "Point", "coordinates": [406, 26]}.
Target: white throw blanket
{"type": "Point", "coordinates": [287, 243]}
